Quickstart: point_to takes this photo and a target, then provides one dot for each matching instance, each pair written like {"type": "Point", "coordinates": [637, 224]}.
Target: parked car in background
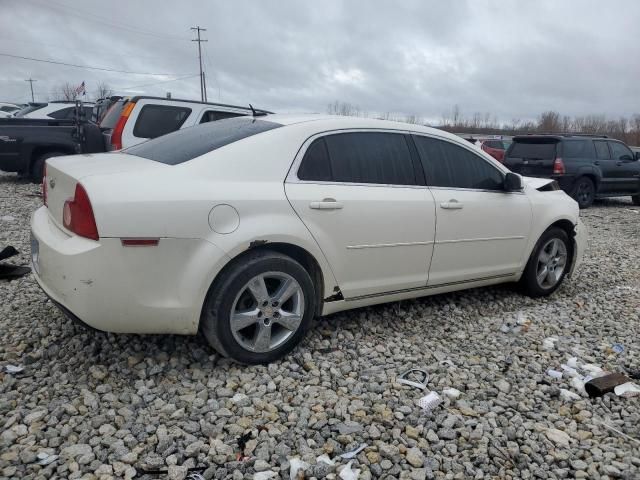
{"type": "Point", "coordinates": [246, 228]}
{"type": "Point", "coordinates": [132, 120]}
{"type": "Point", "coordinates": [58, 110]}
{"type": "Point", "coordinates": [493, 145]}
{"type": "Point", "coordinates": [585, 166]}
{"type": "Point", "coordinates": [7, 109]}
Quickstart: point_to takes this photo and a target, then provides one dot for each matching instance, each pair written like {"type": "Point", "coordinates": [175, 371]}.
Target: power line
{"type": "Point", "coordinates": [158, 83]}
{"type": "Point", "coordinates": [55, 62]}
{"type": "Point", "coordinates": [31, 80]}
{"type": "Point", "coordinates": [103, 20]}
{"type": "Point", "coordinates": [203, 85]}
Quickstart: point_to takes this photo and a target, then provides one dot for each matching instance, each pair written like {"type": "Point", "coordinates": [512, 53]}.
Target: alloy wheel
{"type": "Point", "coordinates": [552, 261]}
{"type": "Point", "coordinates": [267, 311]}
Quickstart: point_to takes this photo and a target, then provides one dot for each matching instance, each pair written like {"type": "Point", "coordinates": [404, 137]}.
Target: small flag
{"type": "Point", "coordinates": [81, 89]}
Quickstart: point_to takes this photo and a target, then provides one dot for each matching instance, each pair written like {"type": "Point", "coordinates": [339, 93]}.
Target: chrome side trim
{"type": "Point", "coordinates": [429, 287]}
{"type": "Point", "coordinates": [384, 245]}
{"type": "Point", "coordinates": [488, 239]}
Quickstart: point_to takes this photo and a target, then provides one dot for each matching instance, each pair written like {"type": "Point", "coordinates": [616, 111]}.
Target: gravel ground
{"type": "Point", "coordinates": [115, 406]}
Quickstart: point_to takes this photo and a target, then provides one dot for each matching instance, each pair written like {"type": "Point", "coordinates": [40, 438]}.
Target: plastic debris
{"type": "Point", "coordinates": [568, 395]}
{"type": "Point", "coordinates": [46, 459]}
{"type": "Point", "coordinates": [549, 343]}
{"type": "Point", "coordinates": [578, 383]}
{"type": "Point", "coordinates": [430, 401]}
{"type": "Point", "coordinates": [13, 368]}
{"type": "Point", "coordinates": [198, 476]}
{"type": "Point", "coordinates": [605, 384]}
{"type": "Point", "coordinates": [451, 393]}
{"type": "Point", "coordinates": [324, 458]}
{"type": "Point", "coordinates": [505, 328]}
{"type": "Point", "coordinates": [347, 474]}
{"type": "Point", "coordinates": [261, 475]}
{"type": "Point", "coordinates": [570, 371]}
{"type": "Point", "coordinates": [554, 373]}
{"type": "Point", "coordinates": [617, 348]}
{"type": "Point", "coordinates": [593, 370]}
{"type": "Point", "coordinates": [353, 453]}
{"type": "Point", "coordinates": [415, 377]}
{"type": "Point", "coordinates": [627, 390]}
{"type": "Point", "coordinates": [572, 362]}
{"type": "Point", "coordinates": [296, 465]}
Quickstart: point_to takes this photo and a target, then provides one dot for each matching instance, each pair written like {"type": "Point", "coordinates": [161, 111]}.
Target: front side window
{"type": "Point", "coordinates": [359, 157]}
{"type": "Point", "coordinates": [602, 151]}
{"type": "Point", "coordinates": [157, 120]}
{"type": "Point", "coordinates": [449, 165]}
{"type": "Point", "coordinates": [212, 116]}
{"type": "Point", "coordinates": [62, 114]}
{"type": "Point", "coordinates": [620, 151]}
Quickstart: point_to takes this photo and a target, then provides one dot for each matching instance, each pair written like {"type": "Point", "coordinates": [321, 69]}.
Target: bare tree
{"type": "Point", "coordinates": [549, 121]}
{"type": "Point", "coordinates": [103, 90]}
{"type": "Point", "coordinates": [343, 108]}
{"type": "Point", "coordinates": [65, 92]}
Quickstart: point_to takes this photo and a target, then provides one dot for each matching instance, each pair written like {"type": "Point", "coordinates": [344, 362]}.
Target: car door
{"type": "Point", "coordinates": [607, 166]}
{"type": "Point", "coordinates": [481, 230]}
{"type": "Point", "coordinates": [627, 168]}
{"type": "Point", "coordinates": [358, 194]}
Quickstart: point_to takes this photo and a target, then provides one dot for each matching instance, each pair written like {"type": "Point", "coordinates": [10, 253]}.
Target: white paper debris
{"type": "Point", "coordinates": [628, 389]}
{"type": "Point", "coordinates": [593, 370]}
{"type": "Point", "coordinates": [568, 396]}
{"type": "Point", "coordinates": [549, 343]}
{"type": "Point", "coordinates": [353, 453]}
{"type": "Point", "coordinates": [347, 474]}
{"type": "Point", "coordinates": [324, 458]}
{"type": "Point", "coordinates": [570, 371]}
{"type": "Point", "coordinates": [295, 466]}
{"type": "Point", "coordinates": [572, 362]}
{"type": "Point", "coordinates": [451, 393]}
{"type": "Point", "coordinates": [554, 373]}
{"type": "Point", "coordinates": [263, 475]}
{"type": "Point", "coordinates": [578, 384]}
{"type": "Point", "coordinates": [13, 368]}
{"type": "Point", "coordinates": [430, 401]}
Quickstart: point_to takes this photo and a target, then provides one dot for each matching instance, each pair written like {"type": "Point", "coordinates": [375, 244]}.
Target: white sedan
{"type": "Point", "coordinates": [248, 228]}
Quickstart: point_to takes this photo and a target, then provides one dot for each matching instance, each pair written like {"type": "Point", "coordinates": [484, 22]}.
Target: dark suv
{"type": "Point", "coordinates": [585, 166]}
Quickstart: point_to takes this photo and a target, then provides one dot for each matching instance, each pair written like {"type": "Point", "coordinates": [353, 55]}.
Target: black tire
{"type": "Point", "coordinates": [636, 199]}
{"type": "Point", "coordinates": [37, 167]}
{"type": "Point", "coordinates": [215, 321]}
{"type": "Point", "coordinates": [529, 281]}
{"type": "Point", "coordinates": [584, 192]}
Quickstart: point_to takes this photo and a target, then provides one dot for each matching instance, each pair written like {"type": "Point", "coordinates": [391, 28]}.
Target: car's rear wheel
{"type": "Point", "coordinates": [584, 192]}
{"type": "Point", "coordinates": [548, 264]}
{"type": "Point", "coordinates": [37, 167]}
{"type": "Point", "coordinates": [260, 308]}
{"type": "Point", "coordinates": [635, 199]}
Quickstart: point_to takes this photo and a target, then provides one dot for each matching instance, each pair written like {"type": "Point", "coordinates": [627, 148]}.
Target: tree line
{"type": "Point", "coordinates": [626, 129]}
{"type": "Point", "coordinates": [69, 92]}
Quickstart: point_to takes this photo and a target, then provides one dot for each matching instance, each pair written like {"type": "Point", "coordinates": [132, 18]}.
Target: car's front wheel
{"type": "Point", "coordinates": [260, 308]}
{"type": "Point", "coordinates": [548, 264]}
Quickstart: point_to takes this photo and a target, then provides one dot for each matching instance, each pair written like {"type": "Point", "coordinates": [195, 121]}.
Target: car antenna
{"type": "Point", "coordinates": [257, 113]}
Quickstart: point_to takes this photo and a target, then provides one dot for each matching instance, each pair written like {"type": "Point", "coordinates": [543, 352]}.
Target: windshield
{"type": "Point", "coordinates": [113, 114]}
{"type": "Point", "coordinates": [189, 143]}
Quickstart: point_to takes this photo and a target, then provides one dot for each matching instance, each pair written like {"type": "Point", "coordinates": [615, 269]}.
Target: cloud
{"type": "Point", "coordinates": [512, 59]}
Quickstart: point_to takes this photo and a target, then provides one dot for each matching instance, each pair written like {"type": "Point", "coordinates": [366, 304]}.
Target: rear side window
{"type": "Point", "coordinates": [620, 151]}
{"type": "Point", "coordinates": [602, 151]}
{"type": "Point", "coordinates": [577, 149]}
{"type": "Point", "coordinates": [157, 120]}
{"type": "Point", "coordinates": [184, 145]}
{"type": "Point", "coordinates": [315, 165]}
{"type": "Point", "coordinates": [449, 165]}
{"type": "Point", "coordinates": [212, 116]}
{"type": "Point", "coordinates": [539, 150]}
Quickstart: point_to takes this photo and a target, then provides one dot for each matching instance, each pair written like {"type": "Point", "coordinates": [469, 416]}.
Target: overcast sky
{"type": "Point", "coordinates": [512, 59]}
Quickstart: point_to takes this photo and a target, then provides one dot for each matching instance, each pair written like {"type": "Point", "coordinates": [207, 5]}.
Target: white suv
{"type": "Point", "coordinates": [132, 120]}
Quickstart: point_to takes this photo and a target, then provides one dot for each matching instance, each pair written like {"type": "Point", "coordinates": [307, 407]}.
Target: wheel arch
{"type": "Point", "coordinates": [38, 151]}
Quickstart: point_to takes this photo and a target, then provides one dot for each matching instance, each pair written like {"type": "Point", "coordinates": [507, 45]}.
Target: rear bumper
{"type": "Point", "coordinates": [120, 289]}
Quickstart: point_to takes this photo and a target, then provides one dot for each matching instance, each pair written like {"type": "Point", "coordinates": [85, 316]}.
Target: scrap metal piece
{"type": "Point", "coordinates": [419, 382]}
{"type": "Point", "coordinates": [601, 385]}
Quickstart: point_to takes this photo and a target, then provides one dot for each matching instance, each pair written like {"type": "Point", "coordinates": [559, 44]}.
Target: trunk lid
{"type": "Point", "coordinates": [532, 156]}
{"type": "Point", "coordinates": [63, 173]}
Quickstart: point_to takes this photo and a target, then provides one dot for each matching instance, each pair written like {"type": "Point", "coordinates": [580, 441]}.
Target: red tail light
{"type": "Point", "coordinates": [77, 215]}
{"type": "Point", "coordinates": [116, 135]}
{"type": "Point", "coordinates": [44, 185]}
{"type": "Point", "coordinates": [558, 167]}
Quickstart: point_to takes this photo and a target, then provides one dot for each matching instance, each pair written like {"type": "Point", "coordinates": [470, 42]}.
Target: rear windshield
{"type": "Point", "coordinates": [533, 149]}
{"type": "Point", "coordinates": [113, 114]}
{"type": "Point", "coordinates": [30, 108]}
{"type": "Point", "coordinates": [184, 145]}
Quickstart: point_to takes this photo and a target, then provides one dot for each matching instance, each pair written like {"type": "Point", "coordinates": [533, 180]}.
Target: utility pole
{"type": "Point", "coordinates": [31, 80]}
{"type": "Point", "coordinates": [203, 87]}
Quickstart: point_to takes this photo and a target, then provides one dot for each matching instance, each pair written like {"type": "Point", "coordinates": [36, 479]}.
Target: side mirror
{"type": "Point", "coordinates": [637, 155]}
{"type": "Point", "coordinates": [627, 158]}
{"type": "Point", "coordinates": [512, 182]}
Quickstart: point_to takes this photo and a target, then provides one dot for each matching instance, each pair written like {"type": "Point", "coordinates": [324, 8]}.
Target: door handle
{"type": "Point", "coordinates": [619, 164]}
{"type": "Point", "coordinates": [596, 162]}
{"type": "Point", "coordinates": [452, 205]}
{"type": "Point", "coordinates": [326, 204]}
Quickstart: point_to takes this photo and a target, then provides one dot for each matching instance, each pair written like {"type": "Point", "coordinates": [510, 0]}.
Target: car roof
{"type": "Point", "coordinates": [150, 97]}
{"type": "Point", "coordinates": [561, 136]}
